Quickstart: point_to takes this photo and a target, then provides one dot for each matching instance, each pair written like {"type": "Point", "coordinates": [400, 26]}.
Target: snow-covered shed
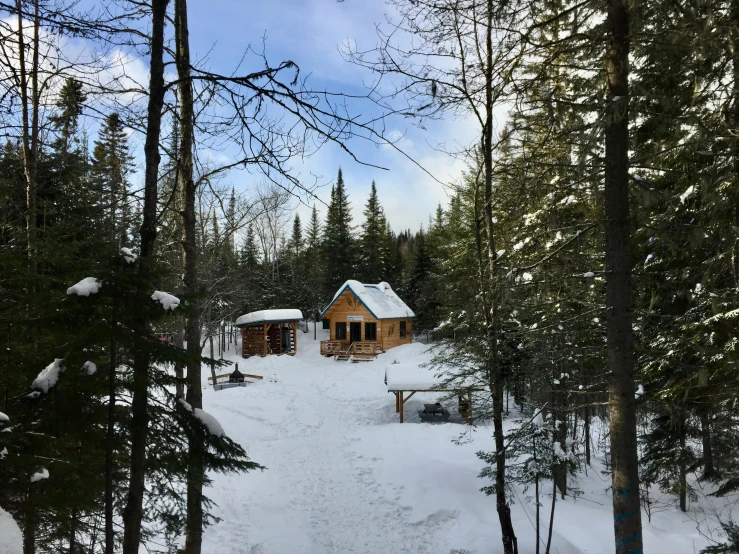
{"type": "Point", "coordinates": [269, 332]}
{"type": "Point", "coordinates": [369, 313]}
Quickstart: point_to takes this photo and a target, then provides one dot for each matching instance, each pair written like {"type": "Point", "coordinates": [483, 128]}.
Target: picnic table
{"type": "Point", "coordinates": [434, 413]}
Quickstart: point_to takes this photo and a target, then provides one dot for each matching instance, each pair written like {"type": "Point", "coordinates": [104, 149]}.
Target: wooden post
{"type": "Point", "coordinates": [400, 400]}
{"type": "Point", "coordinates": [295, 337]}
{"type": "Point", "coordinates": [279, 336]}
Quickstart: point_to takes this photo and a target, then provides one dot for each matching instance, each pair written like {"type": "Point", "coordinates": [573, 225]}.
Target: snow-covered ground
{"type": "Point", "coordinates": [343, 476]}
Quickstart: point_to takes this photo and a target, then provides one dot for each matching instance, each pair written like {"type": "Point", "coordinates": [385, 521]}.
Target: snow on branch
{"type": "Point", "coordinates": [3, 418]}
{"type": "Point", "coordinates": [129, 256]}
{"type": "Point", "coordinates": [43, 473]}
{"type": "Point", "coordinates": [89, 368]}
{"type": "Point", "coordinates": [210, 422]}
{"type": "Point", "coordinates": [167, 300]}
{"type": "Point", "coordinates": [48, 376]}
{"type": "Point", "coordinates": [554, 252]}
{"type": "Point", "coordinates": [86, 287]}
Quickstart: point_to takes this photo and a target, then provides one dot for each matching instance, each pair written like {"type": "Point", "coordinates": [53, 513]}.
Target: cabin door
{"type": "Point", "coordinates": [355, 332]}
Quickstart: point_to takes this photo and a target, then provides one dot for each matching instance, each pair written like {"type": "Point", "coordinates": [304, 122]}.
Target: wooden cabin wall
{"type": "Point", "coordinates": [388, 330]}
{"type": "Point", "coordinates": [391, 332]}
{"type": "Point", "coordinates": [348, 304]}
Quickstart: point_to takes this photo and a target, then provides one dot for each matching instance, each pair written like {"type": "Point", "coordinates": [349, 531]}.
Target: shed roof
{"type": "Point", "coordinates": [411, 376]}
{"type": "Point", "coordinates": [380, 300]}
{"type": "Point", "coordinates": [269, 316]}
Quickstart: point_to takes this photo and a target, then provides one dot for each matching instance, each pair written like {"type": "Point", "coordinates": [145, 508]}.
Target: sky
{"type": "Point", "coordinates": [309, 32]}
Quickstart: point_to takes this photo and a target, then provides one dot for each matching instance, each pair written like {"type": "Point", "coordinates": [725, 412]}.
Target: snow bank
{"type": "Point", "coordinates": [3, 417]}
{"type": "Point", "coordinates": [167, 300]}
{"type": "Point", "coordinates": [379, 299]}
{"type": "Point", "coordinates": [269, 315]}
{"type": "Point", "coordinates": [89, 368]}
{"type": "Point", "coordinates": [11, 539]}
{"type": "Point", "coordinates": [86, 287]}
{"type": "Point", "coordinates": [129, 256]}
{"type": "Point", "coordinates": [48, 377]}
{"type": "Point", "coordinates": [43, 473]}
{"type": "Point", "coordinates": [210, 422]}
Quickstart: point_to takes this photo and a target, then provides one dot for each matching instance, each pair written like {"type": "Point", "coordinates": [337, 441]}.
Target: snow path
{"type": "Point", "coordinates": [321, 492]}
{"type": "Point", "coordinates": [343, 476]}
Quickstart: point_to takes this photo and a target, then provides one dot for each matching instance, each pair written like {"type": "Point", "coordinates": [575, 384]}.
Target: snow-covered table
{"type": "Point", "coordinates": [409, 377]}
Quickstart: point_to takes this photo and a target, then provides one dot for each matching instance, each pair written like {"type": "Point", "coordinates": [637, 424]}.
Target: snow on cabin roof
{"type": "Point", "coordinates": [267, 316]}
{"type": "Point", "coordinates": [380, 300]}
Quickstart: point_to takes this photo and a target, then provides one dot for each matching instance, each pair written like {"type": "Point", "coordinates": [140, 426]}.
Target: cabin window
{"type": "Point", "coordinates": [340, 330]}
{"type": "Point", "coordinates": [326, 324]}
{"type": "Point", "coordinates": [370, 331]}
{"type": "Point", "coordinates": [402, 330]}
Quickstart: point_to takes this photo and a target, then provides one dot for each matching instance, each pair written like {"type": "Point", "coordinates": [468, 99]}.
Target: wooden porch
{"type": "Point", "coordinates": [358, 351]}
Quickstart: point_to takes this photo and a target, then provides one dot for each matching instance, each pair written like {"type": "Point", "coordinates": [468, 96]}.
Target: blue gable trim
{"type": "Point", "coordinates": [355, 296]}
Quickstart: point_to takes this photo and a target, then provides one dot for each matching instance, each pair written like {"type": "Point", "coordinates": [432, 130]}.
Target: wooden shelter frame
{"type": "Point", "coordinates": [265, 337]}
{"type": "Point", "coordinates": [400, 399]}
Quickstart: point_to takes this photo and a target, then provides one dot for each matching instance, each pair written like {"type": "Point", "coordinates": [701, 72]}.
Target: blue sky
{"type": "Point", "coordinates": [309, 33]}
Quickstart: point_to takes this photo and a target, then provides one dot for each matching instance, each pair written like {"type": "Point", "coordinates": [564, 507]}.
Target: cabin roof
{"type": "Point", "coordinates": [269, 316]}
{"type": "Point", "coordinates": [380, 300]}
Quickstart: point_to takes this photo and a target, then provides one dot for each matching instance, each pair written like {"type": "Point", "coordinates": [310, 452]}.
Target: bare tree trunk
{"type": "Point", "coordinates": [30, 121]}
{"type": "Point", "coordinates": [708, 469]}
{"type": "Point", "coordinates": [194, 523]}
{"type": "Point", "coordinates": [29, 524]}
{"type": "Point", "coordinates": [133, 512]}
{"type": "Point", "coordinates": [551, 519]}
{"type": "Point", "coordinates": [682, 466]}
{"type": "Point", "coordinates": [735, 195]}
{"type": "Point", "coordinates": [620, 345]}
{"type": "Point", "coordinates": [536, 492]}
{"type": "Point", "coordinates": [110, 434]}
{"type": "Point", "coordinates": [559, 471]}
{"type": "Point", "coordinates": [495, 373]}
{"type": "Point", "coordinates": [72, 530]}
{"type": "Point", "coordinates": [587, 435]}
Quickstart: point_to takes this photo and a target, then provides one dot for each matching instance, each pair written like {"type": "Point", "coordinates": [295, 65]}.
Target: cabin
{"type": "Point", "coordinates": [365, 320]}
{"type": "Point", "coordinates": [269, 332]}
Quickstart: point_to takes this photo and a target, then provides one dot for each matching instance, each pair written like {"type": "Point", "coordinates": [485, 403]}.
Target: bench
{"type": "Point", "coordinates": [222, 380]}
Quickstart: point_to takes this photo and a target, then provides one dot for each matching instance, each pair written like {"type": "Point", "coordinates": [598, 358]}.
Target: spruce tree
{"type": "Point", "coordinates": [111, 167]}
{"type": "Point", "coordinates": [339, 244]}
{"type": "Point", "coordinates": [371, 267]}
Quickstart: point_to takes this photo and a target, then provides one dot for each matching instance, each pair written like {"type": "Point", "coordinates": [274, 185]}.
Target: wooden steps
{"type": "Point", "coordinates": [358, 352]}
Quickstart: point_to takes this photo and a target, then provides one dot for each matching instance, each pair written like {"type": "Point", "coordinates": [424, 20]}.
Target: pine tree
{"type": "Point", "coordinates": [70, 104]}
{"type": "Point", "coordinates": [339, 248]}
{"type": "Point", "coordinates": [296, 239]}
{"type": "Point", "coordinates": [111, 167]}
{"type": "Point", "coordinates": [371, 266]}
